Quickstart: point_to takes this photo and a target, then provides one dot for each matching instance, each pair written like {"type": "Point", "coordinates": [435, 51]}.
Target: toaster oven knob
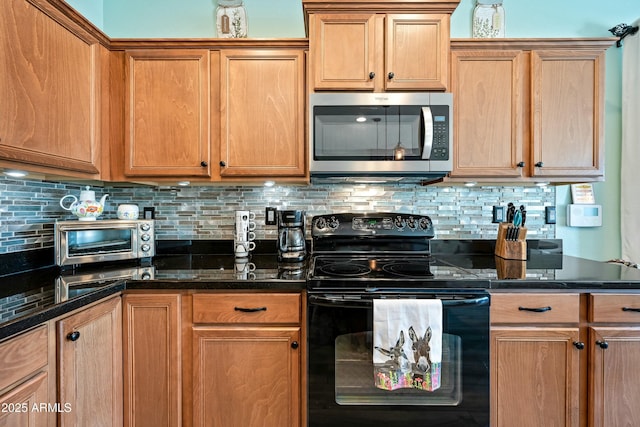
{"type": "Point", "coordinates": [145, 226]}
{"type": "Point", "coordinates": [145, 248]}
{"type": "Point", "coordinates": [145, 237]}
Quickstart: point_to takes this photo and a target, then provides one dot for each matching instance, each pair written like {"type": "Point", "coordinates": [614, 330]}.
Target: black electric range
{"type": "Point", "coordinates": [385, 251]}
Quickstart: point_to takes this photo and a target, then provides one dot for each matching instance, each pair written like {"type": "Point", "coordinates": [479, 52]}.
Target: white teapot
{"type": "Point", "coordinates": [86, 208]}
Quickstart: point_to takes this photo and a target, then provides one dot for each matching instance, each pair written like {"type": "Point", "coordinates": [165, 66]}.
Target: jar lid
{"type": "Point", "coordinates": [230, 3]}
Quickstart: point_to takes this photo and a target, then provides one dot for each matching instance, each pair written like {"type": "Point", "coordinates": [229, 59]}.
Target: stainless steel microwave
{"type": "Point", "coordinates": [84, 242]}
{"type": "Point", "coordinates": [380, 134]}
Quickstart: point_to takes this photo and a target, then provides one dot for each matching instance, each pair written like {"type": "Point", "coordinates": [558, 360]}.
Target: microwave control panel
{"type": "Point", "coordinates": [441, 123]}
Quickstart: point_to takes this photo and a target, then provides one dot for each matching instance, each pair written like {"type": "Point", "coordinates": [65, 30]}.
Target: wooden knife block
{"type": "Point", "coordinates": [507, 269]}
{"type": "Point", "coordinates": [511, 249]}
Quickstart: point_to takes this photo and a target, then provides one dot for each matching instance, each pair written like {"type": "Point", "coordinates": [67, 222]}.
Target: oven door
{"type": "Point", "coordinates": [341, 387]}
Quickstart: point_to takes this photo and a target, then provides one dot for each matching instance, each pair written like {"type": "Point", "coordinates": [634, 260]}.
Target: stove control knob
{"type": "Point", "coordinates": [411, 223]}
{"type": "Point", "coordinates": [399, 222]}
{"type": "Point", "coordinates": [321, 223]}
{"type": "Point", "coordinates": [333, 223]}
{"type": "Point", "coordinates": [425, 223]}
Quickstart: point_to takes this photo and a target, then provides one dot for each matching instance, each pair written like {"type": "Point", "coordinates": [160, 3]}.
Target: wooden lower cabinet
{"type": "Point", "coordinates": [152, 360]}
{"type": "Point", "coordinates": [535, 360]}
{"type": "Point", "coordinates": [24, 380]}
{"type": "Point", "coordinates": [246, 360]}
{"type": "Point", "coordinates": [90, 366]}
{"type": "Point", "coordinates": [614, 352]}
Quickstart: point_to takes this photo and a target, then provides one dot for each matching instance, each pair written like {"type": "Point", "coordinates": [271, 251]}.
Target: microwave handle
{"type": "Point", "coordinates": [427, 143]}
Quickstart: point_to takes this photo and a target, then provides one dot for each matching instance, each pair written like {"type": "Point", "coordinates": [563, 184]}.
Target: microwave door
{"type": "Point", "coordinates": [427, 142]}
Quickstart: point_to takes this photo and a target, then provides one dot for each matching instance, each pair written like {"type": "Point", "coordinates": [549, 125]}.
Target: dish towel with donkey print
{"type": "Point", "coordinates": [407, 343]}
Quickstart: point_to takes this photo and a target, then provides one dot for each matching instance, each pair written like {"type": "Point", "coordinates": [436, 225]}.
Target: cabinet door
{"type": "Point", "coordinates": [416, 51]}
{"type": "Point", "coordinates": [567, 113]}
{"type": "Point", "coordinates": [615, 378]}
{"type": "Point", "coordinates": [22, 406]}
{"type": "Point", "coordinates": [90, 366]}
{"type": "Point", "coordinates": [534, 377]}
{"type": "Point", "coordinates": [152, 360]}
{"type": "Point", "coordinates": [49, 92]}
{"type": "Point", "coordinates": [343, 51]}
{"type": "Point", "coordinates": [246, 377]}
{"type": "Point", "coordinates": [262, 113]}
{"type": "Point", "coordinates": [167, 113]}
{"type": "Point", "coordinates": [488, 99]}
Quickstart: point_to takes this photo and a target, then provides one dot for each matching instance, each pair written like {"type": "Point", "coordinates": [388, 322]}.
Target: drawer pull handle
{"type": "Point", "coordinates": [250, 310]}
{"type": "Point", "coordinates": [579, 345]}
{"type": "Point", "coordinates": [603, 344]}
{"type": "Point", "coordinates": [535, 309]}
{"type": "Point", "coordinates": [73, 336]}
{"type": "Point", "coordinates": [637, 310]}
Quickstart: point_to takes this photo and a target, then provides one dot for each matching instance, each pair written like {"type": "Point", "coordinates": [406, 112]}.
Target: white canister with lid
{"type": "Point", "coordinates": [127, 211]}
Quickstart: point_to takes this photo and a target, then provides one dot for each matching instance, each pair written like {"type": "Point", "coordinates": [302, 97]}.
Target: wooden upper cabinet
{"type": "Point", "coordinates": [167, 113]}
{"type": "Point", "coordinates": [262, 113]}
{"type": "Point", "coordinates": [529, 108]}
{"type": "Point", "coordinates": [488, 95]}
{"type": "Point", "coordinates": [49, 91]}
{"type": "Point", "coordinates": [369, 51]}
{"type": "Point", "coordinates": [567, 128]}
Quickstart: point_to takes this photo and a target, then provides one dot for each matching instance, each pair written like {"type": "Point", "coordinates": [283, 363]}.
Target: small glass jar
{"type": "Point", "coordinates": [488, 19]}
{"type": "Point", "coordinates": [231, 19]}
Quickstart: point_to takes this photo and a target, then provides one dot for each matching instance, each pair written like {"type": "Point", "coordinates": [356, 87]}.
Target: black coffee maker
{"type": "Point", "coordinates": [292, 246]}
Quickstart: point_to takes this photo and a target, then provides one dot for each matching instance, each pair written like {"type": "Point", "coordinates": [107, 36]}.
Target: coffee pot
{"type": "Point", "coordinates": [86, 208]}
{"type": "Point", "coordinates": [292, 246]}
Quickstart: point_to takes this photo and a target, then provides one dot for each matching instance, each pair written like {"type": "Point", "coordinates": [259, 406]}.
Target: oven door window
{"type": "Point", "coordinates": [355, 383]}
{"type": "Point", "coordinates": [367, 132]}
{"type": "Point", "coordinates": [93, 242]}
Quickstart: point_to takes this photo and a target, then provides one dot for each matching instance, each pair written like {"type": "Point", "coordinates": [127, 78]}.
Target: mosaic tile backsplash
{"type": "Point", "coordinates": [29, 208]}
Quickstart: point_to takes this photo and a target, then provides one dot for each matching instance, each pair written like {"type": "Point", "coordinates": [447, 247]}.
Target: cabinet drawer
{"type": "Point", "coordinates": [23, 355]}
{"type": "Point", "coordinates": [614, 308]}
{"type": "Point", "coordinates": [535, 308]}
{"type": "Point", "coordinates": [246, 308]}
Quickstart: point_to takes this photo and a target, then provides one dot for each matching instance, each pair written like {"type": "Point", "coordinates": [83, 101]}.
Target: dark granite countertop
{"type": "Point", "coordinates": [32, 297]}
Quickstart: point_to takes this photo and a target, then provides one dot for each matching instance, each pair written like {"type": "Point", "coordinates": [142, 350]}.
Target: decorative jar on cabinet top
{"type": "Point", "coordinates": [488, 19]}
{"type": "Point", "coordinates": [231, 19]}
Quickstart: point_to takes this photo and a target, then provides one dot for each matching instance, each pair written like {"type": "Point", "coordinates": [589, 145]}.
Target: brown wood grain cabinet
{"type": "Point", "coordinates": [262, 105]}
{"type": "Point", "coordinates": [152, 360]}
{"type": "Point", "coordinates": [529, 109]}
{"type": "Point", "coordinates": [167, 113]}
{"type": "Point", "coordinates": [246, 359]}
{"type": "Point", "coordinates": [377, 52]}
{"type": "Point", "coordinates": [50, 87]}
{"type": "Point", "coordinates": [535, 359]}
{"type": "Point", "coordinates": [614, 346]}
{"type": "Point", "coordinates": [90, 365]}
{"type": "Point", "coordinates": [24, 380]}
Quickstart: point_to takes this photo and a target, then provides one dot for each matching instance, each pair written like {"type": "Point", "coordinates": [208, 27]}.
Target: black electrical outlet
{"type": "Point", "coordinates": [549, 214]}
{"type": "Point", "coordinates": [270, 217]}
{"type": "Point", "coordinates": [149, 213]}
{"type": "Point", "coordinates": [498, 214]}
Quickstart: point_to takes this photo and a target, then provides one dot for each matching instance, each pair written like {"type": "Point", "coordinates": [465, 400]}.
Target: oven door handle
{"type": "Point", "coordinates": [333, 301]}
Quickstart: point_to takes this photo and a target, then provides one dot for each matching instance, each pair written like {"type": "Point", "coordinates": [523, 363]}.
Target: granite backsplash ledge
{"type": "Point", "coordinates": [29, 208]}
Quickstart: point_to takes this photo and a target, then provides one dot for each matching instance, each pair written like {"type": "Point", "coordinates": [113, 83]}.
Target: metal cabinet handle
{"type": "Point", "coordinates": [579, 345]}
{"type": "Point", "coordinates": [204, 164]}
{"type": "Point", "coordinates": [636, 310]}
{"type": "Point", "coordinates": [222, 163]}
{"type": "Point", "coordinates": [535, 309]}
{"type": "Point", "coordinates": [391, 75]}
{"type": "Point", "coordinates": [73, 336]}
{"type": "Point", "coordinates": [250, 310]}
{"type": "Point", "coordinates": [372, 75]}
{"type": "Point", "coordinates": [602, 344]}
{"type": "Point", "coordinates": [539, 164]}
{"type": "Point", "coordinates": [295, 345]}
{"type": "Point", "coordinates": [520, 164]}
